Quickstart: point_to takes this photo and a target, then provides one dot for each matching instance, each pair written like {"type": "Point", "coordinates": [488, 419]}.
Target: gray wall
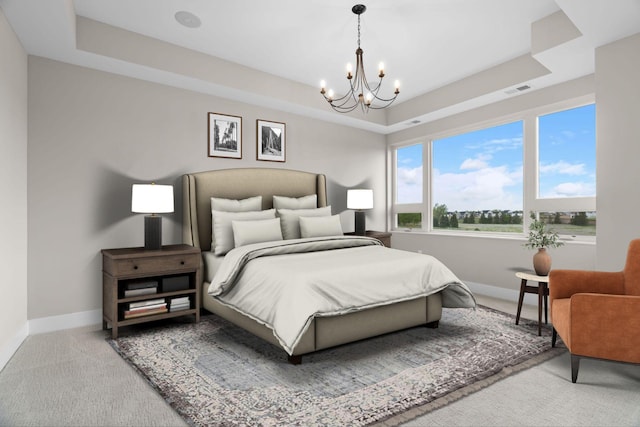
{"type": "Point", "coordinates": [93, 134]}
{"type": "Point", "coordinates": [618, 150]}
{"type": "Point", "coordinates": [13, 190]}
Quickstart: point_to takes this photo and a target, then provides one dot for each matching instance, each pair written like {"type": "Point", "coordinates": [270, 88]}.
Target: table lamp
{"type": "Point", "coordinates": [360, 199]}
{"type": "Point", "coordinates": [152, 199]}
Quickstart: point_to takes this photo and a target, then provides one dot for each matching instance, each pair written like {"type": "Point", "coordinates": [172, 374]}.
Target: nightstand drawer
{"type": "Point", "coordinates": [154, 265]}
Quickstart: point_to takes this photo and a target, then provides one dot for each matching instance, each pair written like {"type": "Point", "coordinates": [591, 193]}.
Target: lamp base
{"type": "Point", "coordinates": [152, 232]}
{"type": "Point", "coordinates": [361, 226]}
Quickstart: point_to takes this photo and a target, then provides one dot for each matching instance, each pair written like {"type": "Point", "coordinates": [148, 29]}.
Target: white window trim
{"type": "Point", "coordinates": [531, 201]}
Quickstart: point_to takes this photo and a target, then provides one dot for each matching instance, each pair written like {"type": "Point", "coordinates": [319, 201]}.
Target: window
{"type": "Point", "coordinates": [488, 179]}
{"type": "Point", "coordinates": [567, 170]}
{"type": "Point", "coordinates": [409, 192]}
{"type": "Point", "coordinates": [477, 180]}
{"type": "Point", "coordinates": [567, 153]}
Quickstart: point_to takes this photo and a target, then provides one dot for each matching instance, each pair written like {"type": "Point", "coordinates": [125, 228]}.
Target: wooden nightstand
{"type": "Point", "coordinates": [137, 282]}
{"type": "Point", "coordinates": [383, 236]}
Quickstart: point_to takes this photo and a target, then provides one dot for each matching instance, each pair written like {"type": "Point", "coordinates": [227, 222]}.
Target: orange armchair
{"type": "Point", "coordinates": [597, 314]}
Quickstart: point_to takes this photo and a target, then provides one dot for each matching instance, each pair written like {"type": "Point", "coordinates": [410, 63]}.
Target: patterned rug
{"type": "Point", "coordinates": [214, 373]}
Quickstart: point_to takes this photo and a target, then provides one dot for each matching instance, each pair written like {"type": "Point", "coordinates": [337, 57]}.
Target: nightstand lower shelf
{"type": "Point", "coordinates": [140, 285]}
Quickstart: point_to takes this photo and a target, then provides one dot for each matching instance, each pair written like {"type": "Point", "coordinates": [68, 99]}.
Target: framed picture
{"type": "Point", "coordinates": [225, 136]}
{"type": "Point", "coordinates": [271, 141]}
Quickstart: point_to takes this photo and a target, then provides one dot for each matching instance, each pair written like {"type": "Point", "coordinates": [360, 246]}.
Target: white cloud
{"type": "Point", "coordinates": [487, 188]}
{"type": "Point", "coordinates": [480, 162]}
{"type": "Point", "coordinates": [499, 144]}
{"type": "Point", "coordinates": [564, 168]}
{"type": "Point", "coordinates": [409, 185]}
{"type": "Point", "coordinates": [572, 189]}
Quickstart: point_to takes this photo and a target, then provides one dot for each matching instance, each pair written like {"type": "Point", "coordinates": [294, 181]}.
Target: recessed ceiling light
{"type": "Point", "coordinates": [187, 19]}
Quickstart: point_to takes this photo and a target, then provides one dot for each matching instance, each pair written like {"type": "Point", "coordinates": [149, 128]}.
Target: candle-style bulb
{"type": "Point", "coordinates": [349, 70]}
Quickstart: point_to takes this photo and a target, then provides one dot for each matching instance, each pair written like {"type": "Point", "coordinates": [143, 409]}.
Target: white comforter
{"type": "Point", "coordinates": [285, 284]}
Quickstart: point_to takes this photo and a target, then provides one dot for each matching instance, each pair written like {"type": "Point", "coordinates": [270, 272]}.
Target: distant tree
{"type": "Point", "coordinates": [483, 218]}
{"type": "Point", "coordinates": [556, 218]}
{"type": "Point", "coordinates": [444, 221]}
{"type": "Point", "coordinates": [505, 218]}
{"type": "Point", "coordinates": [439, 210]}
{"type": "Point", "coordinates": [472, 217]}
{"type": "Point", "coordinates": [579, 219]}
{"type": "Point", "coordinates": [453, 222]}
{"type": "Point", "coordinates": [516, 219]}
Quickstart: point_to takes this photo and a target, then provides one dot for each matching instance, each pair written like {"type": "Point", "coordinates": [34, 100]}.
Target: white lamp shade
{"type": "Point", "coordinates": [151, 198]}
{"type": "Point", "coordinates": [360, 199]}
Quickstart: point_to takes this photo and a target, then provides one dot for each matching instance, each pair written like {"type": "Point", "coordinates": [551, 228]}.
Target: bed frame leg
{"type": "Point", "coordinates": [432, 325]}
{"type": "Point", "coordinates": [295, 360]}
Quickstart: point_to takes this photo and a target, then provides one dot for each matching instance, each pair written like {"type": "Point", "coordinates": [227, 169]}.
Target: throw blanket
{"type": "Point", "coordinates": [285, 284]}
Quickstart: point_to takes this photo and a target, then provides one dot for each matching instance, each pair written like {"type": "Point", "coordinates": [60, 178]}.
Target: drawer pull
{"type": "Point", "coordinates": [135, 267]}
{"type": "Point", "coordinates": [181, 262]}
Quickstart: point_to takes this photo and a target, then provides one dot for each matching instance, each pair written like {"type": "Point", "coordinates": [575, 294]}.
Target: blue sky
{"type": "Point", "coordinates": [484, 169]}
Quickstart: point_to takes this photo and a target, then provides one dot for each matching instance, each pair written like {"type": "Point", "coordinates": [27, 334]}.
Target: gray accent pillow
{"type": "Point", "coordinates": [320, 226]}
{"type": "Point", "coordinates": [264, 230]}
{"type": "Point", "coordinates": [290, 219]}
{"type": "Point", "coordinates": [223, 229]}
{"type": "Point", "coordinates": [304, 202]}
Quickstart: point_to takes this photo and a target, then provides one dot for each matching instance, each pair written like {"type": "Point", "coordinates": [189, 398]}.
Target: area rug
{"type": "Point", "coordinates": [214, 373]}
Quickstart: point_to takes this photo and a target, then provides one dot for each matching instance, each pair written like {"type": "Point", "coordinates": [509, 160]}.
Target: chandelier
{"type": "Point", "coordinates": [360, 92]}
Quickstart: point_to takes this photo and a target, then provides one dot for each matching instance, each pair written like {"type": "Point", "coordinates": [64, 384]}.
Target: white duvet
{"type": "Point", "coordinates": [285, 284]}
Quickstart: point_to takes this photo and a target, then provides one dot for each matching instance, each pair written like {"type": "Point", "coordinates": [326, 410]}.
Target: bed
{"type": "Point", "coordinates": [325, 328]}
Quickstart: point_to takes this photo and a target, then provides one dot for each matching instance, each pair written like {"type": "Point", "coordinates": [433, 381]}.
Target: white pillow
{"type": "Point", "coordinates": [304, 202]}
{"type": "Point", "coordinates": [320, 226]}
{"type": "Point", "coordinates": [290, 219]}
{"type": "Point", "coordinates": [264, 230]}
{"type": "Point", "coordinates": [232, 205]}
{"type": "Point", "coordinates": [223, 230]}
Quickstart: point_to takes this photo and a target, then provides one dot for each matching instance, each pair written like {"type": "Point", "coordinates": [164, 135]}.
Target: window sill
{"type": "Point", "coordinates": [586, 240]}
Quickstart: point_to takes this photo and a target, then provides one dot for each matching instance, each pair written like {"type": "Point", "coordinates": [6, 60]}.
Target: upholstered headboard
{"type": "Point", "coordinates": [198, 188]}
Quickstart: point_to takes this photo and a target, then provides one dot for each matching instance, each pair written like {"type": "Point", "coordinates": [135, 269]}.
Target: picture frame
{"type": "Point", "coordinates": [224, 136]}
{"type": "Point", "coordinates": [271, 143]}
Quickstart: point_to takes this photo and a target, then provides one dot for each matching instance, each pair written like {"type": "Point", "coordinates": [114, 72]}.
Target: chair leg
{"type": "Point", "coordinates": [575, 365]}
{"type": "Point", "coordinates": [554, 337]}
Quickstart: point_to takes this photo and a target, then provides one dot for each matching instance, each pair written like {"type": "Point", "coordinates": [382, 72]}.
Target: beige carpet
{"type": "Point", "coordinates": [75, 378]}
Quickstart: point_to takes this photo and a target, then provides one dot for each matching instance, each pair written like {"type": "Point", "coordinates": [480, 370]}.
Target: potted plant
{"type": "Point", "coordinates": [541, 238]}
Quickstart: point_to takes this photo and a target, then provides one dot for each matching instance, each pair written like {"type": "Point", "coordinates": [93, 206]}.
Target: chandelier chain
{"type": "Point", "coordinates": [358, 31]}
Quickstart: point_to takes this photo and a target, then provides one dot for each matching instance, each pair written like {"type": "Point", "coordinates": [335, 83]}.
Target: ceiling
{"type": "Point", "coordinates": [478, 50]}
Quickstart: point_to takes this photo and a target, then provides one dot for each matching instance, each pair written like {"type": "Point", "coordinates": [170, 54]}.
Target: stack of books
{"type": "Point", "coordinates": [146, 308]}
{"type": "Point", "coordinates": [180, 303]}
{"type": "Point", "coordinates": [140, 288]}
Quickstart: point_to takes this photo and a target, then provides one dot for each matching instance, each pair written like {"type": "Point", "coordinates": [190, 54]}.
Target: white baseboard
{"type": "Point", "coordinates": [501, 293]}
{"type": "Point", "coordinates": [14, 344]}
{"type": "Point", "coordinates": [64, 321]}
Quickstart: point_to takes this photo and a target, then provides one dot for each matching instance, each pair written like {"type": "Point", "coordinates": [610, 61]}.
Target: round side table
{"type": "Point", "coordinates": [542, 290]}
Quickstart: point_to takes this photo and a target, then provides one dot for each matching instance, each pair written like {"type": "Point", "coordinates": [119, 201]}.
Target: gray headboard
{"type": "Point", "coordinates": [198, 188]}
